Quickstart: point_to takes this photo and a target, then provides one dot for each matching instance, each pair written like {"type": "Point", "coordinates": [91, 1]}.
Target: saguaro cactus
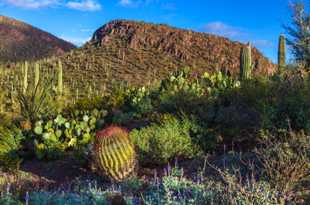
{"type": "Point", "coordinates": [246, 62]}
{"type": "Point", "coordinates": [281, 53]}
{"type": "Point", "coordinates": [114, 153]}
{"type": "Point", "coordinates": [59, 84]}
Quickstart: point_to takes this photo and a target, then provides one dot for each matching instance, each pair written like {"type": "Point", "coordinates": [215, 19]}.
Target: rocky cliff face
{"type": "Point", "coordinates": [20, 41]}
{"type": "Point", "coordinates": [194, 49]}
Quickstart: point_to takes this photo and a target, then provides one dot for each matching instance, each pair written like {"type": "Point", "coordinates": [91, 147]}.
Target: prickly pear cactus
{"type": "Point", "coordinates": [114, 153]}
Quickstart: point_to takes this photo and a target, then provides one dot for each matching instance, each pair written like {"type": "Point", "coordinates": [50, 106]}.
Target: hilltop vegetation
{"type": "Point", "coordinates": [139, 53]}
{"type": "Point", "coordinates": [20, 41]}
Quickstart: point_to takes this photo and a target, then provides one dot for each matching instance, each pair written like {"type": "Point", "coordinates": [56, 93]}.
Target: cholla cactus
{"type": "Point", "coordinates": [114, 153]}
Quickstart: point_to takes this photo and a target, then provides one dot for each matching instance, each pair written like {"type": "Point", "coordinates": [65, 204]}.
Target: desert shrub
{"type": "Point", "coordinates": [285, 157]}
{"type": "Point", "coordinates": [10, 144]}
{"type": "Point", "coordinates": [9, 199]}
{"type": "Point", "coordinates": [279, 98]}
{"type": "Point", "coordinates": [85, 104]}
{"type": "Point", "coordinates": [159, 143]}
{"type": "Point", "coordinates": [175, 188]}
{"type": "Point", "coordinates": [239, 113]}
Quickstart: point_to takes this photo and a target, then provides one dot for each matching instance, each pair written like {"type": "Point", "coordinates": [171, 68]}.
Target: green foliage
{"type": "Point", "coordinates": [159, 143]}
{"type": "Point", "coordinates": [178, 90]}
{"type": "Point", "coordinates": [53, 136]}
{"type": "Point", "coordinates": [10, 143]}
{"type": "Point", "coordinates": [37, 102]}
{"type": "Point", "coordinates": [114, 153]}
{"type": "Point", "coordinates": [218, 83]}
{"type": "Point", "coordinates": [299, 32]}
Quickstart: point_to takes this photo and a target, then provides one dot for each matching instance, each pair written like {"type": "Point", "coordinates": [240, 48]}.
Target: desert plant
{"type": "Point", "coordinates": [159, 143]}
{"type": "Point", "coordinates": [299, 34]}
{"type": "Point", "coordinates": [35, 102]}
{"type": "Point", "coordinates": [246, 62]}
{"type": "Point", "coordinates": [54, 135]}
{"type": "Point", "coordinates": [10, 143]}
{"type": "Point", "coordinates": [36, 74]}
{"type": "Point", "coordinates": [285, 158]}
{"type": "Point", "coordinates": [59, 79]}
{"type": "Point", "coordinates": [114, 153]}
{"type": "Point", "coordinates": [25, 80]}
{"type": "Point", "coordinates": [281, 53]}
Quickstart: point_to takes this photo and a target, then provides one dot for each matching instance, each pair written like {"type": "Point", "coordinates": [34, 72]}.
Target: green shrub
{"type": "Point", "coordinates": [159, 143]}
{"type": "Point", "coordinates": [10, 143]}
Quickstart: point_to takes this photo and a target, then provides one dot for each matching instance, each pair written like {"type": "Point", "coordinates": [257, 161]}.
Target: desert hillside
{"type": "Point", "coordinates": [138, 52]}
{"type": "Point", "coordinates": [20, 41]}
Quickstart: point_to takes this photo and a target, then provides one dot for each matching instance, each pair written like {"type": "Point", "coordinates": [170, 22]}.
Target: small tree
{"type": "Point", "coordinates": [299, 30]}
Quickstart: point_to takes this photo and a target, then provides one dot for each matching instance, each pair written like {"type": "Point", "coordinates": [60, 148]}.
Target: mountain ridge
{"type": "Point", "coordinates": [20, 41]}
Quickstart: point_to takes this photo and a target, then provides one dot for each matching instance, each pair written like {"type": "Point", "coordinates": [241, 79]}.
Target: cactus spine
{"type": "Point", "coordinates": [60, 84]}
{"type": "Point", "coordinates": [114, 153]}
{"type": "Point", "coordinates": [281, 53]}
{"type": "Point", "coordinates": [246, 62]}
{"type": "Point", "coordinates": [36, 74]}
{"type": "Point", "coordinates": [25, 82]}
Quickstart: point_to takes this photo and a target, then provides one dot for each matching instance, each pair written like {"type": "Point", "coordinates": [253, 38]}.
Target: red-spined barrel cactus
{"type": "Point", "coordinates": [114, 153]}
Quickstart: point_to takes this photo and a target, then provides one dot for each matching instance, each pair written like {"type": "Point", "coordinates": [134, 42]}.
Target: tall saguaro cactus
{"type": "Point", "coordinates": [281, 53]}
{"type": "Point", "coordinates": [59, 79]}
{"type": "Point", "coordinates": [246, 62]}
{"type": "Point", "coordinates": [25, 81]}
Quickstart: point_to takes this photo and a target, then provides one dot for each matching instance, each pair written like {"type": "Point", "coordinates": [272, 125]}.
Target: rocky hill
{"type": "Point", "coordinates": [20, 41]}
{"type": "Point", "coordinates": [138, 52]}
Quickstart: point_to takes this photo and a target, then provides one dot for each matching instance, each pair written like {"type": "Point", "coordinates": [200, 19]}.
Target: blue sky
{"type": "Point", "coordinates": [257, 21]}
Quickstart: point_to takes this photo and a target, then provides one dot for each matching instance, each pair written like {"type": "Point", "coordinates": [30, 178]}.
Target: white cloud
{"type": "Point", "coordinates": [135, 3]}
{"type": "Point", "coordinates": [31, 4]}
{"type": "Point", "coordinates": [126, 2]}
{"type": "Point", "coordinates": [84, 5]}
{"type": "Point", "coordinates": [220, 28]}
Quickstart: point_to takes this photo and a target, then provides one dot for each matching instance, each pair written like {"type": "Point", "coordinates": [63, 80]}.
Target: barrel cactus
{"type": "Point", "coordinates": [114, 153]}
